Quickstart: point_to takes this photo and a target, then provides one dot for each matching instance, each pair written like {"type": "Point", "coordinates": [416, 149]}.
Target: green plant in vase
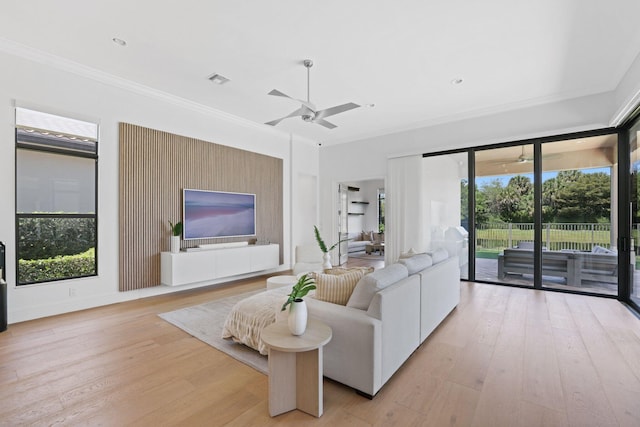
{"type": "Point", "coordinates": [176, 231]}
{"type": "Point", "coordinates": [323, 247]}
{"type": "Point", "coordinates": [303, 286]}
{"type": "Point", "coordinates": [297, 319]}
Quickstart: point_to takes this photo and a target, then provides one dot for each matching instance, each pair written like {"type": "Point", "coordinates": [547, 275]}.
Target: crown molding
{"type": "Point", "coordinates": [467, 115]}
{"type": "Point", "coordinates": [625, 111]}
{"type": "Point", "coordinates": [22, 51]}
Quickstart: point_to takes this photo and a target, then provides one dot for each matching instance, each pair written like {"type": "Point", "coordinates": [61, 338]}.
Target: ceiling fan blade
{"type": "Point", "coordinates": [300, 111]}
{"type": "Point", "coordinates": [323, 122]}
{"type": "Point", "coordinates": [335, 110]}
{"type": "Point", "coordinates": [276, 92]}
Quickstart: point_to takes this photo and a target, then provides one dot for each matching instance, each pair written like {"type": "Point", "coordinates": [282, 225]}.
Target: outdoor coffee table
{"type": "Point", "coordinates": [375, 247]}
{"type": "Point", "coordinates": [295, 367]}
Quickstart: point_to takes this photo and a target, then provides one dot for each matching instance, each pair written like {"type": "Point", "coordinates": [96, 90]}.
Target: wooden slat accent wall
{"type": "Point", "coordinates": [154, 168]}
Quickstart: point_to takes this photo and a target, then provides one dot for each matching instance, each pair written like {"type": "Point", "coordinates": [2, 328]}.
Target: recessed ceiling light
{"type": "Point", "coordinates": [457, 81]}
{"type": "Point", "coordinates": [218, 79]}
{"type": "Point", "coordinates": [119, 42]}
{"type": "Point", "coordinates": [370, 105]}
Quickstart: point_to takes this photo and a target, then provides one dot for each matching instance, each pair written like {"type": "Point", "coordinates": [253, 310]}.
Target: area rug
{"type": "Point", "coordinates": [205, 322]}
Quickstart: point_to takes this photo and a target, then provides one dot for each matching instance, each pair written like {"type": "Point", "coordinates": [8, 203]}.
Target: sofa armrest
{"type": "Point", "coordinates": [398, 306]}
{"type": "Point", "coordinates": [439, 293]}
{"type": "Point", "coordinates": [353, 356]}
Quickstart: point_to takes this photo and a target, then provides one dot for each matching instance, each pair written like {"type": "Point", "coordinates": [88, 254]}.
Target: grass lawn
{"type": "Point", "coordinates": [487, 253]}
{"type": "Point", "coordinates": [553, 239]}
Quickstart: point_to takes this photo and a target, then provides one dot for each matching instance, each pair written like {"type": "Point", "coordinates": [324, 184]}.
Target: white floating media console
{"type": "Point", "coordinates": [210, 262]}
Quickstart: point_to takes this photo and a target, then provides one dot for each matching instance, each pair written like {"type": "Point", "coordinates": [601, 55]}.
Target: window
{"type": "Point", "coordinates": [56, 197]}
{"type": "Point", "coordinates": [381, 210]}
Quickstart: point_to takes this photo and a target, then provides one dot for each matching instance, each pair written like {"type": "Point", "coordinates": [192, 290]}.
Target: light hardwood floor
{"type": "Point", "coordinates": [504, 357]}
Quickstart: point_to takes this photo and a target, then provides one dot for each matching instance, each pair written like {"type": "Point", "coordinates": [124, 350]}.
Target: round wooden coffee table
{"type": "Point", "coordinates": [295, 367]}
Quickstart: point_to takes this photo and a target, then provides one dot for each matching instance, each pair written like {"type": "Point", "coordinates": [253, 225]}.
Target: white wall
{"type": "Point", "coordinates": [367, 158]}
{"type": "Point", "coordinates": [304, 182]}
{"type": "Point", "coordinates": [45, 83]}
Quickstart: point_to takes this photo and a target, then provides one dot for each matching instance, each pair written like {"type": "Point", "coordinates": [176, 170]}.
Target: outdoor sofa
{"type": "Point", "coordinates": [599, 265]}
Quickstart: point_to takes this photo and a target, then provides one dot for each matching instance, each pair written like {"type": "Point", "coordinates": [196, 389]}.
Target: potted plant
{"type": "Point", "coordinates": [326, 257]}
{"type": "Point", "coordinates": [298, 308]}
{"type": "Point", "coordinates": [176, 231]}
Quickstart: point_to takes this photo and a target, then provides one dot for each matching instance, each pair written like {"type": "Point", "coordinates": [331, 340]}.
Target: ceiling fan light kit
{"type": "Point", "coordinates": [307, 110]}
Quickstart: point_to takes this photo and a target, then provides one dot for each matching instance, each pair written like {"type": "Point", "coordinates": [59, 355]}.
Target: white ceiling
{"type": "Point", "coordinates": [400, 55]}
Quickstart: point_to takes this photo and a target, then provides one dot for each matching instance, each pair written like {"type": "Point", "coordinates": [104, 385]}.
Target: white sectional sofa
{"type": "Point", "coordinates": [390, 313]}
{"type": "Point", "coordinates": [358, 241]}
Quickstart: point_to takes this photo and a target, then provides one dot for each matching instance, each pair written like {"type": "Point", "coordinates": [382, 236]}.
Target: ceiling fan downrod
{"type": "Point", "coordinates": [308, 64]}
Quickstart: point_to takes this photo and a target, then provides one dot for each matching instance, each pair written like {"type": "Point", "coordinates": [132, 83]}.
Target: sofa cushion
{"type": "Point", "coordinates": [337, 288]}
{"type": "Point", "coordinates": [374, 282]}
{"type": "Point", "coordinates": [439, 255]}
{"type": "Point", "coordinates": [416, 263]}
{"type": "Point", "coordinates": [354, 237]}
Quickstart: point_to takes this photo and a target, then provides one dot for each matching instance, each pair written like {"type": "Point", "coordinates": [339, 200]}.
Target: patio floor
{"type": "Point", "coordinates": [487, 269]}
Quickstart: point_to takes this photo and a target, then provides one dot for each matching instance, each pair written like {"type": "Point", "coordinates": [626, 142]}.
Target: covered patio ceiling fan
{"type": "Point", "coordinates": [307, 110]}
{"type": "Point", "coordinates": [525, 158]}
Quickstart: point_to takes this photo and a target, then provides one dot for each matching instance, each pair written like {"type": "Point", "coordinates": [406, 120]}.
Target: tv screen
{"type": "Point", "coordinates": [210, 214]}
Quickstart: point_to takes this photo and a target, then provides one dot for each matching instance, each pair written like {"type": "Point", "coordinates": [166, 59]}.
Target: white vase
{"type": "Point", "coordinates": [175, 244]}
{"type": "Point", "coordinates": [326, 261]}
{"type": "Point", "coordinates": [297, 317]}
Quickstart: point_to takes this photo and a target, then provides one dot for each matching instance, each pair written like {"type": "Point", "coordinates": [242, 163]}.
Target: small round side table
{"type": "Point", "coordinates": [295, 367]}
{"type": "Point", "coordinates": [279, 281]}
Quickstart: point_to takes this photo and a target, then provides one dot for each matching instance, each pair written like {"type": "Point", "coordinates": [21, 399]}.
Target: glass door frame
{"type": "Point", "coordinates": [628, 126]}
{"type": "Point", "coordinates": [623, 214]}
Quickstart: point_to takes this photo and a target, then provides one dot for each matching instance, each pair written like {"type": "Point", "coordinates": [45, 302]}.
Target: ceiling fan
{"type": "Point", "coordinates": [525, 158]}
{"type": "Point", "coordinates": [307, 110]}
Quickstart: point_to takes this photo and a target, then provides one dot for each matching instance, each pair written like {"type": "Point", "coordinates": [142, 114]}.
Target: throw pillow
{"type": "Point", "coordinates": [342, 270]}
{"type": "Point", "coordinates": [416, 263]}
{"type": "Point", "coordinates": [411, 252]}
{"type": "Point", "coordinates": [336, 288]}
{"type": "Point", "coordinates": [367, 236]}
{"type": "Point", "coordinates": [597, 249]}
{"type": "Point", "coordinates": [370, 284]}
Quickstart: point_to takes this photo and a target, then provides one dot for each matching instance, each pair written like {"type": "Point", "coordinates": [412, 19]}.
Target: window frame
{"type": "Point", "coordinates": [58, 150]}
{"type": "Point", "coordinates": [381, 213]}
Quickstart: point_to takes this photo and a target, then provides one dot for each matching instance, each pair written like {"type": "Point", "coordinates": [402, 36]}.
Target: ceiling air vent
{"type": "Point", "coordinates": [218, 79]}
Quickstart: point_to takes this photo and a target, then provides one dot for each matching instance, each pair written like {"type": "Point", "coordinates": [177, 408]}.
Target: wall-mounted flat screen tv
{"type": "Point", "coordinates": [211, 214]}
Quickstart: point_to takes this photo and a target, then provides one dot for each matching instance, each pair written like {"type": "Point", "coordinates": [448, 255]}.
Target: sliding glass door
{"type": "Point", "coordinates": [579, 214]}
{"type": "Point", "coordinates": [504, 215]}
{"type": "Point", "coordinates": [445, 206]}
{"type": "Point", "coordinates": [546, 214]}
{"type": "Point", "coordinates": [634, 193]}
